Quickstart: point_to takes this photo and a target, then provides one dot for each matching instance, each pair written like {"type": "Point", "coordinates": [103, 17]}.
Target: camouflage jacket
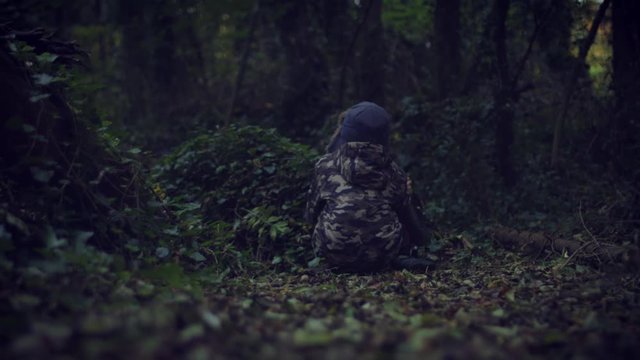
{"type": "Point", "coordinates": [354, 203]}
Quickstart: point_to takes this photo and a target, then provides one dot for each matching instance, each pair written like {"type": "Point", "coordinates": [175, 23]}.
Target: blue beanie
{"type": "Point", "coordinates": [365, 122]}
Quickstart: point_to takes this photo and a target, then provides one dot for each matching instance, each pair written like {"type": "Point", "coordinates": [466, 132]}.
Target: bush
{"type": "Point", "coordinates": [448, 149]}
{"type": "Point", "coordinates": [65, 190]}
{"type": "Point", "coordinates": [249, 178]}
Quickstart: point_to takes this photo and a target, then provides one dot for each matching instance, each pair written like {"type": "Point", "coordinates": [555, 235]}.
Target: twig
{"type": "Point", "coordinates": [575, 253]}
{"type": "Point", "coordinates": [594, 240]}
{"type": "Point", "coordinates": [584, 225]}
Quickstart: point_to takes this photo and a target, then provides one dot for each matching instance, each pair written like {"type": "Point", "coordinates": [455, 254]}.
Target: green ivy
{"type": "Point", "coordinates": [246, 176]}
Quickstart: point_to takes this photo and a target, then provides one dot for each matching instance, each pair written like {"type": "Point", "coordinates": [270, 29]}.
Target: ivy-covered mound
{"type": "Point", "coordinates": [250, 186]}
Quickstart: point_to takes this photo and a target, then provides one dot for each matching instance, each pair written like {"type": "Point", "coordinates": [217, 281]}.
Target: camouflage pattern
{"type": "Point", "coordinates": [353, 204]}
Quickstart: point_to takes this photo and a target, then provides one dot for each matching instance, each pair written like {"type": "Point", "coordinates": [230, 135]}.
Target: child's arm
{"type": "Point", "coordinates": [314, 202]}
{"type": "Point", "coordinates": [409, 212]}
{"type": "Point", "coordinates": [418, 226]}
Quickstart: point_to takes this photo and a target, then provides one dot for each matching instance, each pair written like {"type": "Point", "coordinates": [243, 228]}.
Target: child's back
{"type": "Point", "coordinates": [356, 196]}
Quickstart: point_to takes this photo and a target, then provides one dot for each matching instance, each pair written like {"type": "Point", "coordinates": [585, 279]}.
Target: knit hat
{"type": "Point", "coordinates": [364, 122]}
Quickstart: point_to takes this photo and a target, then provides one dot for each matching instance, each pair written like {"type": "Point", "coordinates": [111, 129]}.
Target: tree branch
{"type": "Point", "coordinates": [523, 61]}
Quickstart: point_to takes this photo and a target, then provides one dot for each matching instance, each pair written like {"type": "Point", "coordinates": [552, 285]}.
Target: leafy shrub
{"type": "Point", "coordinates": [74, 214]}
{"type": "Point", "coordinates": [64, 187]}
{"type": "Point", "coordinates": [248, 177]}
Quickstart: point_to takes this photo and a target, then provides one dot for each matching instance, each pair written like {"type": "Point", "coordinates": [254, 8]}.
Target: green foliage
{"type": "Point", "coordinates": [63, 179]}
{"type": "Point", "coordinates": [248, 177]}
{"type": "Point", "coordinates": [409, 18]}
{"type": "Point", "coordinates": [75, 217]}
{"type": "Point", "coordinates": [99, 260]}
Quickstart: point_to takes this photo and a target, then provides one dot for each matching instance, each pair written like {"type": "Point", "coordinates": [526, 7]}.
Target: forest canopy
{"type": "Point", "coordinates": [155, 159]}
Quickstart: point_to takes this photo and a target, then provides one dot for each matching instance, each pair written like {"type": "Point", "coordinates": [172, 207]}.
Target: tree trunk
{"type": "Point", "coordinates": [582, 56]}
{"type": "Point", "coordinates": [626, 53]}
{"type": "Point", "coordinates": [626, 84]}
{"type": "Point", "coordinates": [134, 62]}
{"type": "Point", "coordinates": [305, 94]}
{"type": "Point", "coordinates": [372, 55]}
{"type": "Point", "coordinates": [169, 81]}
{"type": "Point", "coordinates": [347, 55]}
{"type": "Point", "coordinates": [626, 78]}
{"type": "Point", "coordinates": [243, 63]}
{"type": "Point", "coordinates": [555, 38]}
{"type": "Point", "coordinates": [503, 96]}
{"type": "Point", "coordinates": [447, 47]}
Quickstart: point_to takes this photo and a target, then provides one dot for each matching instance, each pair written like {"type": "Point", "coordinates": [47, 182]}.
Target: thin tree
{"type": "Point", "coordinates": [582, 55]}
{"type": "Point", "coordinates": [447, 47]}
{"type": "Point", "coordinates": [246, 52]}
{"type": "Point", "coordinates": [372, 53]}
{"type": "Point", "coordinates": [626, 77]}
{"type": "Point", "coordinates": [502, 94]}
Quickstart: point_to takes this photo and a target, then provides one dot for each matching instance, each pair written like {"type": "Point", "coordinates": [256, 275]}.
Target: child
{"type": "Point", "coordinates": [360, 200]}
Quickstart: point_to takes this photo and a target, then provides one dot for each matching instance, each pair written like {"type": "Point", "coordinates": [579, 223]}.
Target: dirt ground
{"type": "Point", "coordinates": [475, 304]}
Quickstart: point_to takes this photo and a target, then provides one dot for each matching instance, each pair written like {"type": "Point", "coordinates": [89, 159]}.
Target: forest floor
{"type": "Point", "coordinates": [477, 303]}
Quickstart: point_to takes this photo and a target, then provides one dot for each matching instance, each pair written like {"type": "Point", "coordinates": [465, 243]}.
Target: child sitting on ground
{"type": "Point", "coordinates": [360, 200]}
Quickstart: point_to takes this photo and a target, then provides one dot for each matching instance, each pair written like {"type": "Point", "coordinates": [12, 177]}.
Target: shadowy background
{"type": "Point", "coordinates": [155, 157]}
{"type": "Point", "coordinates": [514, 98]}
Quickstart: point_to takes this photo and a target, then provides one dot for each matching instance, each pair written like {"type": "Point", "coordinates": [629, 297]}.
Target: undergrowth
{"type": "Point", "coordinates": [205, 253]}
{"type": "Point", "coordinates": [448, 150]}
{"type": "Point", "coordinates": [244, 187]}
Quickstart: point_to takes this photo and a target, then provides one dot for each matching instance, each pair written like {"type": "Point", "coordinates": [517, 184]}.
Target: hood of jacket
{"type": "Point", "coordinates": [363, 122]}
{"type": "Point", "coordinates": [364, 164]}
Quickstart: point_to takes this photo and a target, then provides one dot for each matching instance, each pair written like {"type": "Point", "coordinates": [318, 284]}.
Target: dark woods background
{"type": "Point", "coordinates": [155, 156]}
{"type": "Point", "coordinates": [503, 109]}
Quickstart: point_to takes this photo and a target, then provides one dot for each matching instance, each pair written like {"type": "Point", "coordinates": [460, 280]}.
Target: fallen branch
{"type": "Point", "coordinates": [528, 241]}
